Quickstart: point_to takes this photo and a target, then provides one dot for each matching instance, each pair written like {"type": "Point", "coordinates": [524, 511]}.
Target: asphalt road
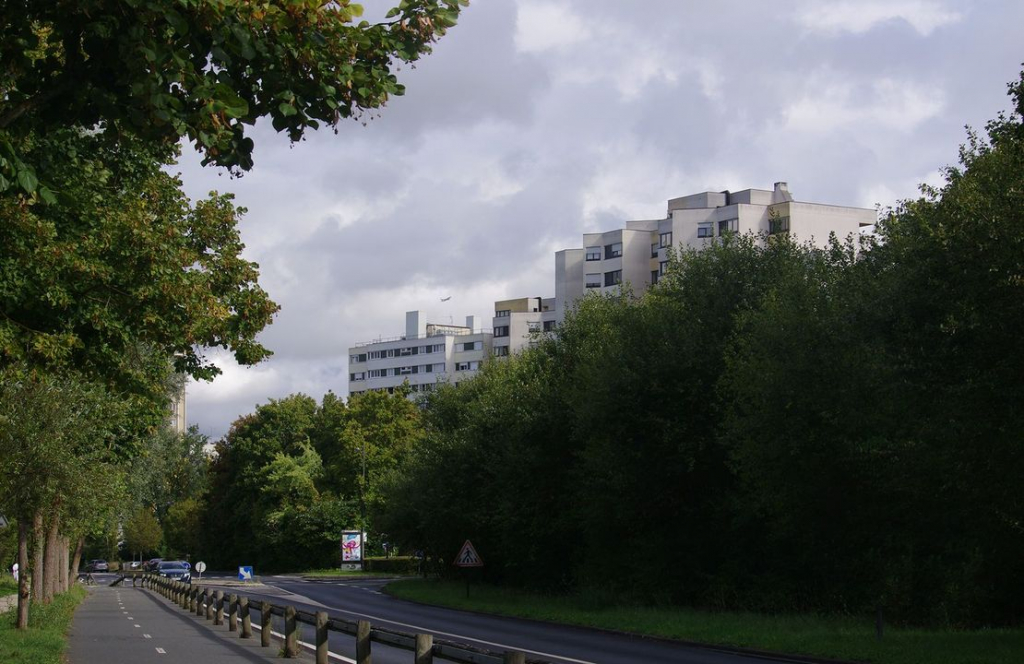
{"type": "Point", "coordinates": [359, 599]}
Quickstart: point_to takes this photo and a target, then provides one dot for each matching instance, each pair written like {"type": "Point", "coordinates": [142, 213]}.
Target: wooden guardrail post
{"type": "Point", "coordinates": [363, 655]}
{"type": "Point", "coordinates": [218, 608]}
{"type": "Point", "coordinates": [265, 622]}
{"type": "Point", "coordinates": [243, 612]}
{"type": "Point", "coordinates": [185, 592]}
{"type": "Point", "coordinates": [514, 657]}
{"type": "Point", "coordinates": [291, 633]}
{"type": "Point", "coordinates": [321, 637]}
{"type": "Point", "coordinates": [200, 600]}
{"type": "Point", "coordinates": [232, 612]}
{"type": "Point", "coordinates": [424, 649]}
{"type": "Point", "coordinates": [192, 597]}
{"type": "Point", "coordinates": [209, 604]}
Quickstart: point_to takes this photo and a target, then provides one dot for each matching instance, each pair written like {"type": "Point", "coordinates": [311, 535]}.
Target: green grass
{"type": "Point", "coordinates": [46, 638]}
{"type": "Point", "coordinates": [839, 638]}
{"type": "Point", "coordinates": [8, 586]}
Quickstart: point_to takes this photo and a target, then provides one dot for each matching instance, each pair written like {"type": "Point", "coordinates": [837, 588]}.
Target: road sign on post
{"type": "Point", "coordinates": [468, 557]}
{"type": "Point", "coordinates": [200, 567]}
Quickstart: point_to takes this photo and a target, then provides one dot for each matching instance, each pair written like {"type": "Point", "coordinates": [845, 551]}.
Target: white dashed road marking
{"type": "Point", "coordinates": [146, 636]}
{"type": "Point", "coordinates": [161, 651]}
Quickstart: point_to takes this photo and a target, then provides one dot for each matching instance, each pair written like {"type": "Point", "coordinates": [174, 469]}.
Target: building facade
{"type": "Point", "coordinates": [426, 354]}
{"type": "Point", "coordinates": [638, 253]}
{"type": "Point", "coordinates": [518, 323]}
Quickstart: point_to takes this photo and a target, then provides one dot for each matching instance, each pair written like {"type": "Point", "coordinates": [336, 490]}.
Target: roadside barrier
{"type": "Point", "coordinates": [205, 601]}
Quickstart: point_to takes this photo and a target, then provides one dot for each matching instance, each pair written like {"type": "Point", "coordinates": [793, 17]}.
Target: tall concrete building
{"type": "Point", "coordinates": [518, 323]}
{"type": "Point", "coordinates": [638, 253]}
{"type": "Point", "coordinates": [426, 354]}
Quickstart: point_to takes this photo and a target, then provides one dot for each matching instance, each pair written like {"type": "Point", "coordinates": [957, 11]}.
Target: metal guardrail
{"type": "Point", "coordinates": [205, 601]}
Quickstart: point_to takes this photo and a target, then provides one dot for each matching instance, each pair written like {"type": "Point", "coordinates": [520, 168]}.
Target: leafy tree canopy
{"type": "Point", "coordinates": [204, 70]}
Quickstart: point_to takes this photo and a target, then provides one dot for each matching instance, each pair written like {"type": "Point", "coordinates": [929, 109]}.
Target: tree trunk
{"type": "Point", "coordinates": [62, 564]}
{"type": "Point", "coordinates": [76, 562]}
{"type": "Point", "coordinates": [37, 556]}
{"type": "Point", "coordinates": [50, 588]}
{"type": "Point", "coordinates": [23, 589]}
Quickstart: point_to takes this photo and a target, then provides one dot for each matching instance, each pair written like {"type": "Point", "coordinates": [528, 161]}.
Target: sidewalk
{"type": "Point", "coordinates": [116, 625]}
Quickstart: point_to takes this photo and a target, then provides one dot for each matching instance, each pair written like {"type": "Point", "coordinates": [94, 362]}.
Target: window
{"type": "Point", "coordinates": [594, 280]}
{"type": "Point", "coordinates": [376, 354]}
{"type": "Point", "coordinates": [533, 326]}
{"type": "Point", "coordinates": [472, 345]}
{"type": "Point", "coordinates": [778, 225]}
{"type": "Point", "coordinates": [357, 376]}
{"type": "Point", "coordinates": [706, 229]}
{"type": "Point", "coordinates": [503, 313]}
{"type": "Point", "coordinates": [654, 250]}
{"type": "Point", "coordinates": [613, 278]}
{"type": "Point", "coordinates": [662, 268]}
{"type": "Point", "coordinates": [613, 250]}
{"type": "Point", "coordinates": [727, 226]}
{"type": "Point", "coordinates": [404, 351]}
{"type": "Point", "coordinates": [378, 373]}
{"type": "Point", "coordinates": [654, 277]}
{"type": "Point", "coordinates": [467, 366]}
{"type": "Point", "coordinates": [549, 326]}
{"type": "Point", "coordinates": [353, 359]}
{"type": "Point", "coordinates": [593, 253]}
{"type": "Point", "coordinates": [501, 331]}
{"type": "Point", "coordinates": [501, 351]}
{"type": "Point", "coordinates": [391, 352]}
{"type": "Point", "coordinates": [665, 239]}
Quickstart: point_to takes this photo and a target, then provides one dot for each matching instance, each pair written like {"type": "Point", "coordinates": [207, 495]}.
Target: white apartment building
{"type": "Point", "coordinates": [638, 253]}
{"type": "Point", "coordinates": [518, 322]}
{"type": "Point", "coordinates": [426, 354]}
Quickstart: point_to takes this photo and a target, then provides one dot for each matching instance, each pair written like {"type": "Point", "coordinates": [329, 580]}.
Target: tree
{"type": "Point", "coordinates": [142, 532]}
{"type": "Point", "coordinates": [163, 70]}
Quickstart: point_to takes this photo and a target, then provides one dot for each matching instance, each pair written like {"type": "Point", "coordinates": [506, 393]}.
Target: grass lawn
{"type": "Point", "coordinates": [8, 586]}
{"type": "Point", "coordinates": [46, 638]}
{"type": "Point", "coordinates": [839, 638]}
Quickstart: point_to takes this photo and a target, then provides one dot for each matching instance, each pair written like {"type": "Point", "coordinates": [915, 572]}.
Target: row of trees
{"type": "Point", "coordinates": [771, 427]}
{"type": "Point", "coordinates": [287, 479]}
{"type": "Point", "coordinates": [111, 279]}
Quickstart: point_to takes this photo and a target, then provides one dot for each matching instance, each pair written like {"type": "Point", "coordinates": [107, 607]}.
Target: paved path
{"type": "Point", "coordinates": [129, 625]}
{"type": "Point", "coordinates": [7, 602]}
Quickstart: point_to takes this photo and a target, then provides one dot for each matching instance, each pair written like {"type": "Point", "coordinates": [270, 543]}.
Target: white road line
{"type": "Point", "coordinates": [161, 651]}
{"type": "Point", "coordinates": [138, 625]}
{"type": "Point", "coordinates": [310, 646]}
{"type": "Point", "coordinates": [146, 636]}
{"type": "Point", "coordinates": [503, 646]}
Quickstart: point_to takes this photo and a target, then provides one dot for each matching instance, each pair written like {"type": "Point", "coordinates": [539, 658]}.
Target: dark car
{"type": "Point", "coordinates": [151, 564]}
{"type": "Point", "coordinates": [177, 570]}
{"type": "Point", "coordinates": [97, 566]}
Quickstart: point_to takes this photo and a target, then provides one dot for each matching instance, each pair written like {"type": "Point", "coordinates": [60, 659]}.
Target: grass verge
{"type": "Point", "coordinates": [46, 638]}
{"type": "Point", "coordinates": [837, 638]}
{"type": "Point", "coordinates": [8, 586]}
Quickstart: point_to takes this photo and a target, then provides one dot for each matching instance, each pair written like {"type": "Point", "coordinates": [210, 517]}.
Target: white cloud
{"type": "Point", "coordinates": [924, 16]}
{"type": "Point", "coordinates": [545, 26]}
{"type": "Point", "coordinates": [885, 103]}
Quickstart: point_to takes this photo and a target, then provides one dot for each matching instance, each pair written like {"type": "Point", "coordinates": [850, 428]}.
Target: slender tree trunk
{"type": "Point", "coordinates": [76, 562]}
{"type": "Point", "coordinates": [50, 588]}
{"type": "Point", "coordinates": [23, 589]}
{"type": "Point", "coordinates": [37, 556]}
{"type": "Point", "coordinates": [62, 564]}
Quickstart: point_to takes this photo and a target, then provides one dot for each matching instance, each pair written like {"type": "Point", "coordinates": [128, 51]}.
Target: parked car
{"type": "Point", "coordinates": [152, 564]}
{"type": "Point", "coordinates": [97, 566]}
{"type": "Point", "coordinates": [178, 570]}
{"type": "Point", "coordinates": [135, 564]}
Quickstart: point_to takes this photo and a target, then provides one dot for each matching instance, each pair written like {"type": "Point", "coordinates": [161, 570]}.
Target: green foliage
{"type": "Point", "coordinates": [772, 427]}
{"type": "Point", "coordinates": [142, 532]}
{"type": "Point", "coordinates": [163, 70]}
{"type": "Point", "coordinates": [182, 528]}
{"type": "Point", "coordinates": [46, 639]}
{"type": "Point", "coordinates": [289, 478]}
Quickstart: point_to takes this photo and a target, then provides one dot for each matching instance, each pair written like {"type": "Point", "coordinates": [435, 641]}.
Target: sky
{"type": "Point", "coordinates": [536, 121]}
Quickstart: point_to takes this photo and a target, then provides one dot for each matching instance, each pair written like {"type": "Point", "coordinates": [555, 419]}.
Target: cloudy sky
{"type": "Point", "coordinates": [535, 121]}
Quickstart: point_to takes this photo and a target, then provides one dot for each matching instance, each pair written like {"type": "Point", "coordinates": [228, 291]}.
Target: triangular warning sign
{"type": "Point", "coordinates": [468, 557]}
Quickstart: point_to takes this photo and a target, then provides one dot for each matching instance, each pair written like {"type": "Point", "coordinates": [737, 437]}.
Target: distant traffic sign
{"type": "Point", "coordinates": [468, 557]}
{"type": "Point", "coordinates": [200, 567]}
